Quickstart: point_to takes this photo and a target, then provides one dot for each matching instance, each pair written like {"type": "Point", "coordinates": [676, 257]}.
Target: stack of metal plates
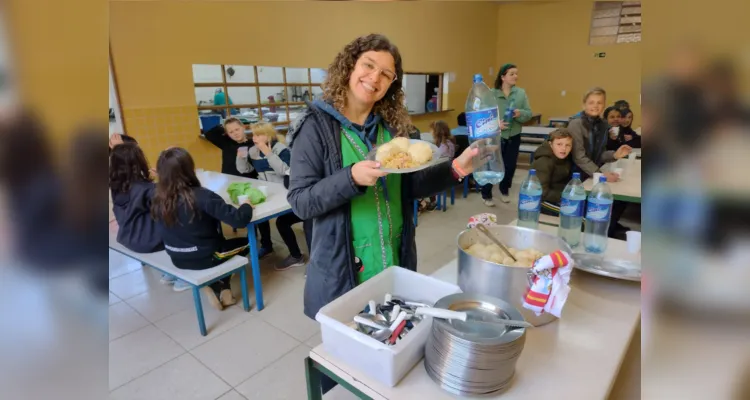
{"type": "Point", "coordinates": [470, 359]}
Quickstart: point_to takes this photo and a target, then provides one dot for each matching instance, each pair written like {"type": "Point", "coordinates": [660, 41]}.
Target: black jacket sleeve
{"type": "Point", "coordinates": [216, 207]}
{"type": "Point", "coordinates": [430, 181]}
{"type": "Point", "coordinates": [217, 137]}
{"type": "Point", "coordinates": [311, 193]}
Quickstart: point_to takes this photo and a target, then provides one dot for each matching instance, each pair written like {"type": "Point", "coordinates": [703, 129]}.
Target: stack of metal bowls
{"type": "Point", "coordinates": [474, 359]}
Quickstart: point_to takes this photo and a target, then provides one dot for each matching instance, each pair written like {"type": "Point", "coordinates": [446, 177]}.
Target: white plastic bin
{"type": "Point", "coordinates": [387, 364]}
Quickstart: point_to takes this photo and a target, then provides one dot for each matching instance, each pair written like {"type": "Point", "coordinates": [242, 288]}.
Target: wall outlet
{"type": "Point", "coordinates": [563, 93]}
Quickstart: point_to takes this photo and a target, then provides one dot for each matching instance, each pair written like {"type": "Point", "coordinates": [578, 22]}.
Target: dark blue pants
{"type": "Point", "coordinates": [509, 149]}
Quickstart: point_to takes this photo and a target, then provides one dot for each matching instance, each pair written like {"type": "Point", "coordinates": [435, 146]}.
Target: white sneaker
{"type": "Point", "coordinates": [181, 286]}
{"type": "Point", "coordinates": [489, 203]}
{"type": "Point", "coordinates": [167, 279]}
{"type": "Point", "coordinates": [504, 198]}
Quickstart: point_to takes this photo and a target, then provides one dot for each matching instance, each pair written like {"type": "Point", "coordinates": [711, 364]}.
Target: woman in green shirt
{"type": "Point", "coordinates": [511, 101]}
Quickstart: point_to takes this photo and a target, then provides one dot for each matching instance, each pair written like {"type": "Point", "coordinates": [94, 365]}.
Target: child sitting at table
{"type": "Point", "coordinates": [627, 135]}
{"type": "Point", "coordinates": [132, 188]}
{"type": "Point", "coordinates": [612, 116]}
{"type": "Point", "coordinates": [270, 158]}
{"type": "Point", "coordinates": [231, 139]}
{"type": "Point", "coordinates": [189, 216]}
{"type": "Point", "coordinates": [554, 167]}
{"type": "Point", "coordinates": [590, 135]}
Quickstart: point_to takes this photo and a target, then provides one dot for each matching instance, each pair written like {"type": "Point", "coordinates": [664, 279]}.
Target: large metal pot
{"type": "Point", "coordinates": [507, 283]}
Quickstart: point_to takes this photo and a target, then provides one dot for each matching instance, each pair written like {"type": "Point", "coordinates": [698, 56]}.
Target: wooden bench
{"type": "Point", "coordinates": [196, 278]}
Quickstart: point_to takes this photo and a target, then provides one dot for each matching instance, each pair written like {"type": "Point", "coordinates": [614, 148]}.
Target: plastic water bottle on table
{"type": "Point", "coordinates": [483, 123]}
{"type": "Point", "coordinates": [530, 201]}
{"type": "Point", "coordinates": [571, 211]}
{"type": "Point", "coordinates": [598, 212]}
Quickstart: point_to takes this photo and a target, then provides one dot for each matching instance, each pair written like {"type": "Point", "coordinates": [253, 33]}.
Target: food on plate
{"type": "Point", "coordinates": [401, 142]}
{"type": "Point", "coordinates": [385, 151]}
{"type": "Point", "coordinates": [420, 152]}
{"type": "Point", "coordinates": [493, 253]}
{"type": "Point", "coordinates": [399, 153]}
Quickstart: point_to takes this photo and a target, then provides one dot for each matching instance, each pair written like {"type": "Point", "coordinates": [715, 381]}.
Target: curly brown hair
{"type": "Point", "coordinates": [176, 171]}
{"type": "Point", "coordinates": [336, 86]}
{"type": "Point", "coordinates": [441, 133]}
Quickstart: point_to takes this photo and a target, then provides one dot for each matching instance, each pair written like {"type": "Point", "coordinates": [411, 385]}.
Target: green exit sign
{"type": "Point", "coordinates": [600, 55]}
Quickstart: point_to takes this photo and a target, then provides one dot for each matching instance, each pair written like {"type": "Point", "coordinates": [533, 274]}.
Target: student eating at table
{"type": "Point", "coordinates": [626, 134]}
{"type": "Point", "coordinates": [188, 218]}
{"type": "Point", "coordinates": [232, 140]}
{"type": "Point", "coordinates": [590, 135]}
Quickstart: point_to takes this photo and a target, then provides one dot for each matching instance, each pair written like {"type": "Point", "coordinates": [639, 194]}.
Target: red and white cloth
{"type": "Point", "coordinates": [549, 284]}
{"type": "Point", "coordinates": [486, 219]}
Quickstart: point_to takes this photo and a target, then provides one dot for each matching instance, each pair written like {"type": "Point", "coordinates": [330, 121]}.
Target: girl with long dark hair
{"type": "Point", "coordinates": [132, 189]}
{"type": "Point", "coordinates": [189, 219]}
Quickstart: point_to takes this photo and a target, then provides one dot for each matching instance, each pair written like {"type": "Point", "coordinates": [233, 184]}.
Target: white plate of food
{"type": "Point", "coordinates": [402, 155]}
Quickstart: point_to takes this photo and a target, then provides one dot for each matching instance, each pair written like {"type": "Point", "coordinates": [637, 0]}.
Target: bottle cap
{"type": "Point", "coordinates": [602, 178]}
{"type": "Point", "coordinates": [576, 175]}
{"type": "Point", "coordinates": [477, 78]}
{"type": "Point", "coordinates": [532, 172]}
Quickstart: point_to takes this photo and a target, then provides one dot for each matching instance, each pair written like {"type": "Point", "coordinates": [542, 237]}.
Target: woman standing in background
{"type": "Point", "coordinates": [513, 101]}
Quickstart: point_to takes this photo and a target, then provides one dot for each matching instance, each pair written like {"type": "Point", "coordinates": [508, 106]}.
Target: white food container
{"type": "Point", "coordinates": [387, 364]}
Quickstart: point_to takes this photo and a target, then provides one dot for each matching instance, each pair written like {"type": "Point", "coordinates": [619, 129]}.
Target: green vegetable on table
{"type": "Point", "coordinates": [238, 189]}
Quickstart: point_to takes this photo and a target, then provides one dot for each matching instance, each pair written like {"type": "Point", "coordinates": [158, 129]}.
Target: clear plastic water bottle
{"type": "Point", "coordinates": [598, 211]}
{"type": "Point", "coordinates": [571, 211]}
{"type": "Point", "coordinates": [508, 115]}
{"type": "Point", "coordinates": [483, 123]}
{"type": "Point", "coordinates": [530, 201]}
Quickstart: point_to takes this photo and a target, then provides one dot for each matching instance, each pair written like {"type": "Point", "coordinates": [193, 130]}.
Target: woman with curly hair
{"type": "Point", "coordinates": [362, 219]}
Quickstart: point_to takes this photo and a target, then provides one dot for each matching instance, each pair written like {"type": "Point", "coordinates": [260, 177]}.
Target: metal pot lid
{"type": "Point", "coordinates": [484, 308]}
{"type": "Point", "coordinates": [618, 269]}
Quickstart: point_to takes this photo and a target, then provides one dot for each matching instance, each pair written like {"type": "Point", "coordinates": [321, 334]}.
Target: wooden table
{"type": "Point", "coordinates": [629, 187]}
{"type": "Point", "coordinates": [576, 357]}
{"type": "Point", "coordinates": [274, 206]}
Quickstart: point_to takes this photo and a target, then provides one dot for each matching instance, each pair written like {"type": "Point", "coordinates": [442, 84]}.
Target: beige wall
{"type": "Point", "coordinates": [154, 45]}
{"type": "Point", "coordinates": [549, 43]}
{"type": "Point", "coordinates": [61, 65]}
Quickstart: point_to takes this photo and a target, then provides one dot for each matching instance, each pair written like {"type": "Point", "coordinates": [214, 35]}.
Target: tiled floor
{"type": "Point", "coordinates": [156, 351]}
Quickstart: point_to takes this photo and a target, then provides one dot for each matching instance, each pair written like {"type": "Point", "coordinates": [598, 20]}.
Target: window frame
{"type": "Point", "coordinates": [258, 106]}
{"type": "Point", "coordinates": [624, 29]}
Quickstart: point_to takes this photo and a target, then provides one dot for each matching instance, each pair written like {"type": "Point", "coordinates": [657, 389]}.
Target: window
{"type": "Point", "coordinates": [254, 93]}
{"type": "Point", "coordinates": [614, 22]}
{"type": "Point", "coordinates": [425, 92]}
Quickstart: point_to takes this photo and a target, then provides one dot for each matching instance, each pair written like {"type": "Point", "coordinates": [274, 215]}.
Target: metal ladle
{"type": "Point", "coordinates": [373, 321]}
{"type": "Point", "coordinates": [487, 233]}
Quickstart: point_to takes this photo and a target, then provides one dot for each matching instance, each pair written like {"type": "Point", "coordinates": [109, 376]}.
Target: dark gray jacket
{"type": "Point", "coordinates": [137, 230]}
{"type": "Point", "coordinates": [320, 189]}
{"type": "Point", "coordinates": [589, 144]}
